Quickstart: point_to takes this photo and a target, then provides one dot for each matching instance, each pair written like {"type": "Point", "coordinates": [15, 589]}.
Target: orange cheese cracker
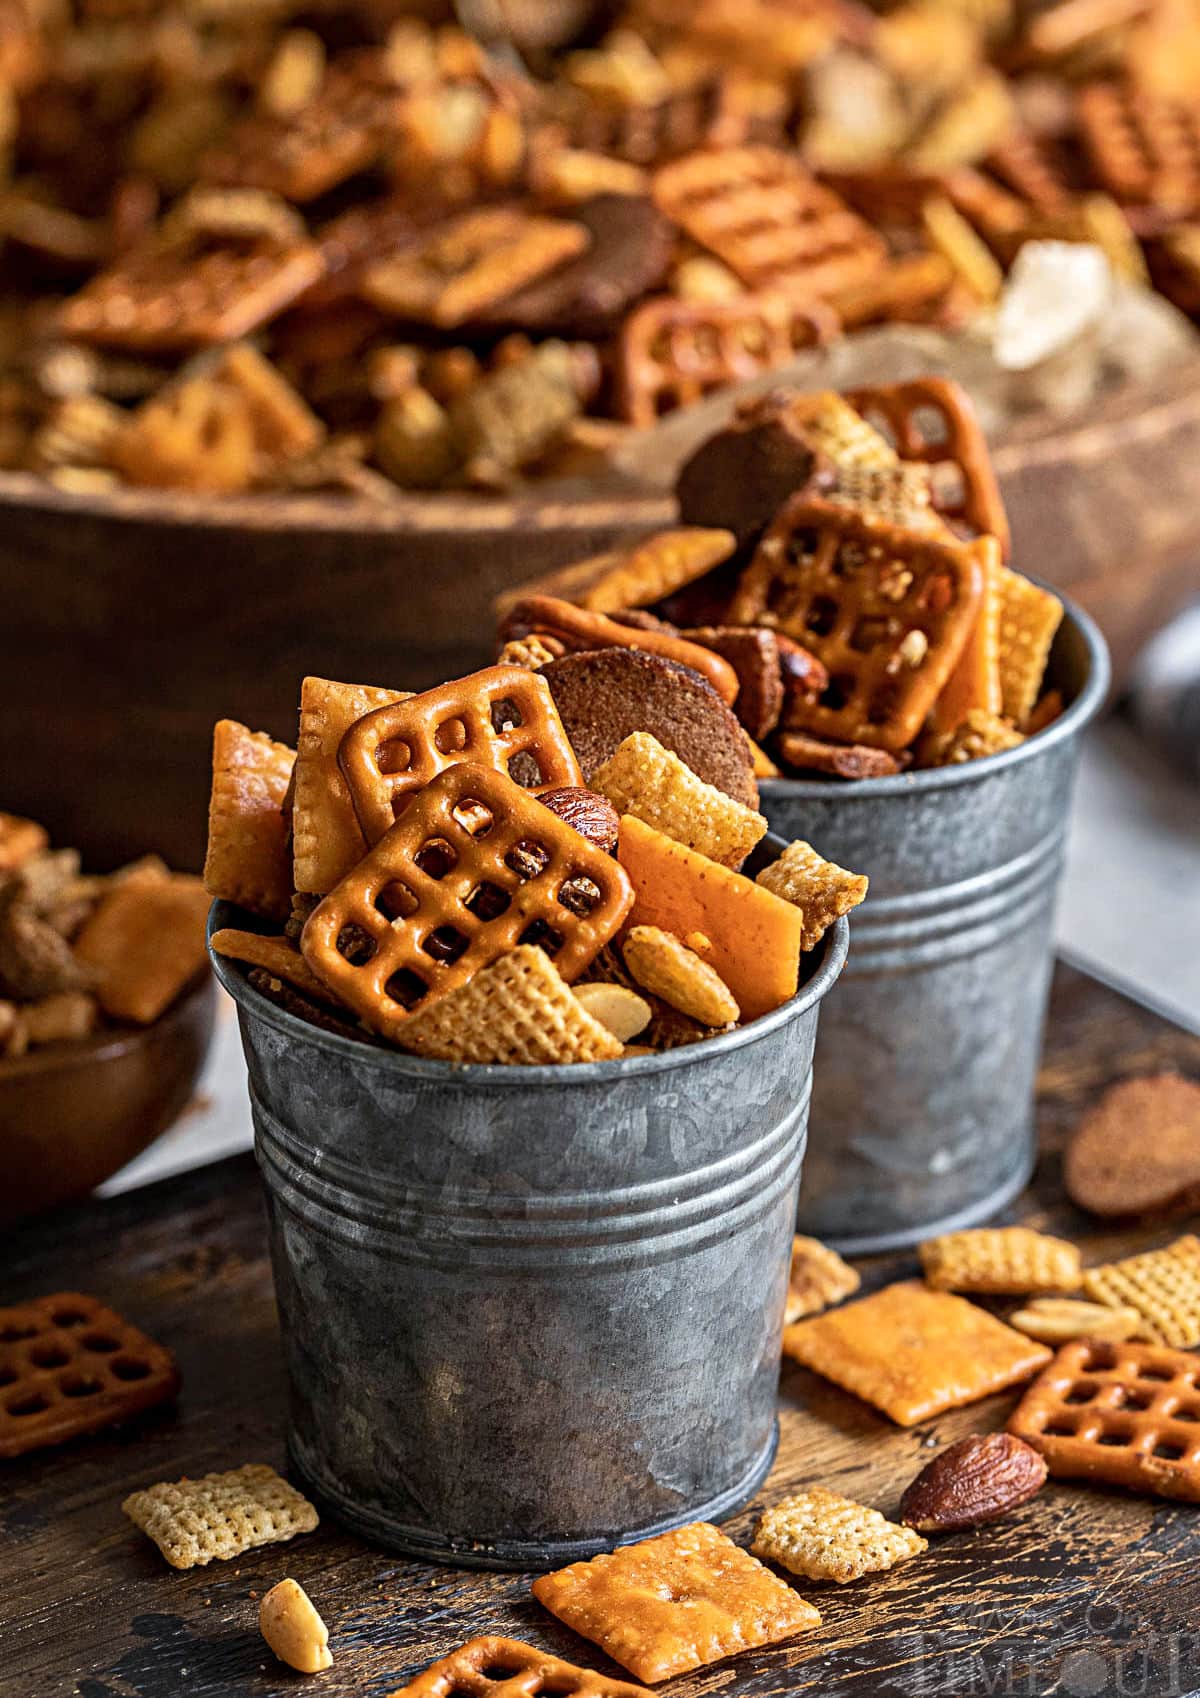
{"type": "Point", "coordinates": [247, 861]}
{"type": "Point", "coordinates": [913, 1352]}
{"type": "Point", "coordinates": [144, 943]}
{"type": "Point", "coordinates": [675, 1603]}
{"type": "Point", "coordinates": [327, 840]}
{"type": "Point", "coordinates": [754, 935]}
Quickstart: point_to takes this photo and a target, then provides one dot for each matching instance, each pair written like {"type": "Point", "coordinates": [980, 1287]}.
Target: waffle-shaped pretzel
{"type": "Point", "coordinates": [69, 1366]}
{"type": "Point", "coordinates": [1144, 148]}
{"type": "Point", "coordinates": [476, 1667]}
{"type": "Point", "coordinates": [474, 866]}
{"type": "Point", "coordinates": [760, 212]}
{"type": "Point", "coordinates": [489, 717]}
{"type": "Point", "coordinates": [886, 611]}
{"type": "Point", "coordinates": [672, 353]}
{"type": "Point", "coordinates": [931, 419]}
{"type": "Point", "coordinates": [170, 297]}
{"type": "Point", "coordinates": [341, 131]}
{"type": "Point", "coordinates": [650, 133]}
{"type": "Point", "coordinates": [1028, 165]}
{"type": "Point", "coordinates": [1127, 1414]}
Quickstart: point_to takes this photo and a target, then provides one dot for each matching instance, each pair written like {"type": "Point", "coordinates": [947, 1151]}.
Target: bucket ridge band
{"type": "Point", "coordinates": [431, 1222]}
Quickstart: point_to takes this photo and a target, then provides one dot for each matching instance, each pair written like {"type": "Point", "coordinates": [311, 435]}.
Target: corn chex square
{"type": "Point", "coordinates": [195, 1522]}
{"type": "Point", "coordinates": [1162, 1285]}
{"type": "Point", "coordinates": [642, 778]}
{"type": "Point", "coordinates": [818, 1279]}
{"type": "Point", "coordinates": [1002, 1261]}
{"type": "Point", "coordinates": [821, 890]}
{"type": "Point", "coordinates": [517, 1010]}
{"type": "Point", "coordinates": [674, 1603]}
{"type": "Point", "coordinates": [1029, 617]}
{"type": "Point", "coordinates": [824, 1536]}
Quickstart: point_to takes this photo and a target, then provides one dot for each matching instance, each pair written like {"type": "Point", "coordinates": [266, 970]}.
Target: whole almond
{"type": "Point", "coordinates": [976, 1480]}
{"type": "Point", "coordinates": [593, 816]}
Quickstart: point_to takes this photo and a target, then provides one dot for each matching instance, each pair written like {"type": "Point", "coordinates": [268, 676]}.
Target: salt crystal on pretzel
{"type": "Point", "coordinates": [517, 1011]}
{"type": "Point", "coordinates": [676, 1602]}
{"type": "Point", "coordinates": [821, 890]}
{"type": "Point", "coordinates": [247, 860]}
{"type": "Point", "coordinates": [503, 716]}
{"type": "Point", "coordinates": [644, 779]}
{"type": "Point", "coordinates": [824, 1536]}
{"type": "Point", "coordinates": [474, 866]}
{"type": "Point", "coordinates": [471, 263]}
{"type": "Point", "coordinates": [327, 840]}
{"type": "Point", "coordinates": [886, 611]}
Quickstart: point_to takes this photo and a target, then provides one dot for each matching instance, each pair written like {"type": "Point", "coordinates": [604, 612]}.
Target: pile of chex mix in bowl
{"type": "Point", "coordinates": [842, 577]}
{"type": "Point", "coordinates": [495, 870]}
{"type": "Point", "coordinates": [286, 248]}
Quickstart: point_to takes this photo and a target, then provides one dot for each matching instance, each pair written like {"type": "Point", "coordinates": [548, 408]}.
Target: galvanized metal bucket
{"type": "Point", "coordinates": [531, 1312]}
{"type": "Point", "coordinates": [922, 1117]}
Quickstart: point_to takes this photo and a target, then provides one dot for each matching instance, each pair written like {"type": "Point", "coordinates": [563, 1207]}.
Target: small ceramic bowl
{"type": "Point", "coordinates": [72, 1115]}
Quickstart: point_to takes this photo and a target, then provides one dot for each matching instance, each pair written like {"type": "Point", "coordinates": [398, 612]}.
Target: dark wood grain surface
{"type": "Point", "coordinates": [1085, 1593]}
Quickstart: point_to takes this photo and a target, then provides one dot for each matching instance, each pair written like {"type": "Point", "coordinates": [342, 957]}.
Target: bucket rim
{"type": "Point", "coordinates": [1071, 721]}
{"type": "Point", "coordinates": [830, 956]}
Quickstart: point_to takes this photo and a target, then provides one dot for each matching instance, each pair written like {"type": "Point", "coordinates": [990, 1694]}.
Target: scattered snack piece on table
{"type": "Point", "coordinates": [1058, 1320]}
{"type": "Point", "coordinates": [195, 1522]}
{"type": "Point", "coordinates": [536, 1672]}
{"type": "Point", "coordinates": [914, 1353]}
{"type": "Point", "coordinates": [824, 1536]}
{"type": "Point", "coordinates": [754, 936]}
{"type": "Point", "coordinates": [819, 1278]}
{"type": "Point", "coordinates": [674, 1603]}
{"type": "Point", "coordinates": [822, 891]}
{"type": "Point", "coordinates": [70, 1366]}
{"type": "Point", "coordinates": [978, 1479]}
{"type": "Point", "coordinates": [144, 943]}
{"type": "Point", "coordinates": [1162, 1285]}
{"type": "Point", "coordinates": [1137, 1151]}
{"type": "Point", "coordinates": [1000, 1261]}
{"type": "Point", "coordinates": [291, 1626]}
{"type": "Point", "coordinates": [248, 859]}
{"type": "Point", "coordinates": [652, 783]}
{"type": "Point", "coordinates": [1120, 1413]}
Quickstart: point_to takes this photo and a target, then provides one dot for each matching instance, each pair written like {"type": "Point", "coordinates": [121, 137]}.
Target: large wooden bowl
{"type": "Point", "coordinates": [130, 621]}
{"type": "Point", "coordinates": [73, 1114]}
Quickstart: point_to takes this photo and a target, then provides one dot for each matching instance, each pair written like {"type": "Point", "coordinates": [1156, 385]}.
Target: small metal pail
{"type": "Point", "coordinates": [922, 1116]}
{"type": "Point", "coordinates": [531, 1312]}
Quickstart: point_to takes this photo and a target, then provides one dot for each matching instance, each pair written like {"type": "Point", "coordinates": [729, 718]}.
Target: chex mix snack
{"type": "Point", "coordinates": [857, 610]}
{"type": "Point", "coordinates": [493, 871]}
{"type": "Point", "coordinates": [351, 248]}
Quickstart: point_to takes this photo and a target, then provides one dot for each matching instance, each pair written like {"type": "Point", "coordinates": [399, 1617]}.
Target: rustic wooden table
{"type": "Point", "coordinates": [1084, 1593]}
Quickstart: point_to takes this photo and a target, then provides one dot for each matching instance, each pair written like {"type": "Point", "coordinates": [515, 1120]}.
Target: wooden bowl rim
{"type": "Point", "coordinates": [110, 1045]}
{"type": "Point", "coordinates": [1145, 410]}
